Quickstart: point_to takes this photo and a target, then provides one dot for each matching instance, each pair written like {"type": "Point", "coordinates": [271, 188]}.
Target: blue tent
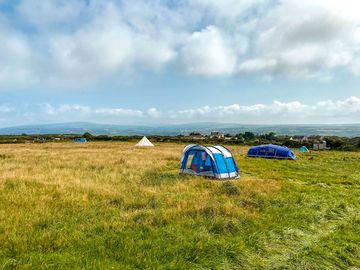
{"type": "Point", "coordinates": [304, 149]}
{"type": "Point", "coordinates": [210, 161]}
{"type": "Point", "coordinates": [80, 140]}
{"type": "Point", "coordinates": [271, 151]}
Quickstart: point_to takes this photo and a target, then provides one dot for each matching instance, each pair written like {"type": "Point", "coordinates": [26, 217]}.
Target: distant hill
{"type": "Point", "coordinates": [350, 130]}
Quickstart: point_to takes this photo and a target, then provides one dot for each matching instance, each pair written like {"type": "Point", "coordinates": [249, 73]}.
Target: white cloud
{"type": "Point", "coordinates": [76, 110]}
{"type": "Point", "coordinates": [96, 50]}
{"type": "Point", "coordinates": [304, 39]}
{"type": "Point", "coordinates": [256, 65]}
{"type": "Point", "coordinates": [119, 112]}
{"type": "Point", "coordinates": [113, 41]}
{"type": "Point", "coordinates": [50, 13]}
{"type": "Point", "coordinates": [154, 113]}
{"type": "Point", "coordinates": [15, 58]}
{"type": "Point", "coordinates": [208, 53]}
{"type": "Point", "coordinates": [76, 43]}
{"type": "Point", "coordinates": [277, 112]}
{"type": "Point", "coordinates": [48, 113]}
{"type": "Point", "coordinates": [227, 10]}
{"type": "Point", "coordinates": [342, 111]}
{"type": "Point", "coordinates": [64, 109]}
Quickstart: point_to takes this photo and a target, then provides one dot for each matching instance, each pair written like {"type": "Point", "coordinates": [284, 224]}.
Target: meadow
{"type": "Point", "coordinates": [109, 205]}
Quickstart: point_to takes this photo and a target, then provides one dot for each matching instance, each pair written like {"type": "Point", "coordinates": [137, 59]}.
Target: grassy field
{"type": "Point", "coordinates": [114, 206]}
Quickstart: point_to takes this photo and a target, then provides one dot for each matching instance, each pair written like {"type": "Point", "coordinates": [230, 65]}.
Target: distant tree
{"type": "Point", "coordinates": [335, 142]}
{"type": "Point", "coordinates": [195, 134]}
{"type": "Point", "coordinates": [270, 136]}
{"type": "Point", "coordinates": [358, 144]}
{"type": "Point", "coordinates": [87, 135]}
{"type": "Point", "coordinates": [249, 135]}
{"type": "Point", "coordinates": [102, 138]}
{"type": "Point", "coordinates": [290, 143]}
{"type": "Point", "coordinates": [240, 135]}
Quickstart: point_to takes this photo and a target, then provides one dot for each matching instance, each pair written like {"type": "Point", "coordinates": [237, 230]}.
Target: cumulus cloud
{"type": "Point", "coordinates": [79, 42]}
{"type": "Point", "coordinates": [277, 112]}
{"type": "Point", "coordinates": [64, 109]}
{"type": "Point", "coordinates": [15, 57]}
{"type": "Point", "coordinates": [257, 65]}
{"type": "Point", "coordinates": [154, 113]}
{"type": "Point", "coordinates": [208, 53]}
{"type": "Point", "coordinates": [119, 112]}
{"type": "Point", "coordinates": [342, 111]}
{"type": "Point", "coordinates": [46, 14]}
{"type": "Point", "coordinates": [305, 39]}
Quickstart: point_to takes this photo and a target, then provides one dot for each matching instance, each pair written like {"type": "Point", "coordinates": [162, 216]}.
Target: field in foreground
{"type": "Point", "coordinates": [111, 205]}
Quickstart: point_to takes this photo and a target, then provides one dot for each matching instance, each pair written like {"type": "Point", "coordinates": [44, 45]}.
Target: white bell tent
{"type": "Point", "coordinates": [144, 142]}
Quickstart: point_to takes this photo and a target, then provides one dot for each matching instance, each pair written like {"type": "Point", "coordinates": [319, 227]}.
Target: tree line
{"type": "Point", "coordinates": [246, 138]}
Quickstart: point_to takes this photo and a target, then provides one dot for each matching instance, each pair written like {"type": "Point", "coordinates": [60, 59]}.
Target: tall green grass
{"type": "Point", "coordinates": [113, 206]}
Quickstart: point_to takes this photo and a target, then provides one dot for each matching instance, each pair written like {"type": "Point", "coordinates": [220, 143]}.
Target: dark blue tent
{"type": "Point", "coordinates": [80, 140]}
{"type": "Point", "coordinates": [271, 151]}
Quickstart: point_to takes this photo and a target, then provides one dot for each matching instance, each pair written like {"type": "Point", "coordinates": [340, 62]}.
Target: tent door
{"type": "Point", "coordinates": [200, 163]}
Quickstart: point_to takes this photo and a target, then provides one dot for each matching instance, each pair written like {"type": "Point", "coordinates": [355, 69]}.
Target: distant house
{"type": "Point", "coordinates": [315, 138]}
{"type": "Point", "coordinates": [216, 135]}
{"type": "Point", "coordinates": [80, 140]}
{"type": "Point", "coordinates": [300, 139]}
{"type": "Point", "coordinates": [320, 145]}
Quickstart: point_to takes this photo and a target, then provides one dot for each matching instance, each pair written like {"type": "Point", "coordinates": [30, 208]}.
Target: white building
{"type": "Point", "coordinates": [216, 135]}
{"type": "Point", "coordinates": [320, 145]}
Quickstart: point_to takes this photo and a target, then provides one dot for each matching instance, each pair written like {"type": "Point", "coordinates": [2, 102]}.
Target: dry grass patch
{"type": "Point", "coordinates": [111, 205]}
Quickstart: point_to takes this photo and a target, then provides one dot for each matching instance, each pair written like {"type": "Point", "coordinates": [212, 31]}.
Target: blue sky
{"type": "Point", "coordinates": [158, 62]}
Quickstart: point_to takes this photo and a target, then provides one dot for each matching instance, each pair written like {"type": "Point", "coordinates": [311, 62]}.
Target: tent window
{"type": "Point", "coordinates": [207, 165]}
{"type": "Point", "coordinates": [190, 160]}
{"type": "Point", "coordinates": [199, 162]}
{"type": "Point", "coordinates": [196, 161]}
{"type": "Point", "coordinates": [230, 164]}
{"type": "Point", "coordinates": [271, 152]}
{"type": "Point", "coordinates": [220, 161]}
{"type": "Point", "coordinates": [205, 162]}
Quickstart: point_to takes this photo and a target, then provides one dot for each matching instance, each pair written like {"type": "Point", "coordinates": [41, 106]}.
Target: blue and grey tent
{"type": "Point", "coordinates": [80, 140]}
{"type": "Point", "coordinates": [210, 161]}
{"type": "Point", "coordinates": [304, 149]}
{"type": "Point", "coordinates": [271, 151]}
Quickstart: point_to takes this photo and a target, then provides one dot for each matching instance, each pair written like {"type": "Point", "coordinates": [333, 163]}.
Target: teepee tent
{"type": "Point", "coordinates": [144, 142]}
